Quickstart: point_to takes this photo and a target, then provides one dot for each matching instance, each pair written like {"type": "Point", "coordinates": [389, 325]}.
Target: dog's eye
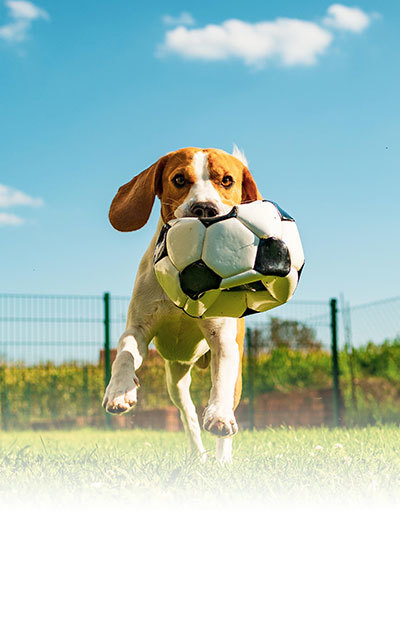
{"type": "Point", "coordinates": [227, 181]}
{"type": "Point", "coordinates": [179, 180]}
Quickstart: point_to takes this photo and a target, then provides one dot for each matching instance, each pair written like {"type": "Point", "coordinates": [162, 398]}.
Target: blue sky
{"type": "Point", "coordinates": [92, 93]}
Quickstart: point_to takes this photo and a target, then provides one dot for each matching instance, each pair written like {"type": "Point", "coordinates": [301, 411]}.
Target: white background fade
{"type": "Point", "coordinates": [112, 571]}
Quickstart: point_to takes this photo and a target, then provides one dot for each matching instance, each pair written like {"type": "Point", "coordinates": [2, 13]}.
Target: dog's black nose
{"type": "Point", "coordinates": [204, 209]}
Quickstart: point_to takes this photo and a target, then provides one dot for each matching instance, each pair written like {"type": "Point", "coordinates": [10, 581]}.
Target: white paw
{"type": "Point", "coordinates": [218, 422]}
{"type": "Point", "coordinates": [121, 394]}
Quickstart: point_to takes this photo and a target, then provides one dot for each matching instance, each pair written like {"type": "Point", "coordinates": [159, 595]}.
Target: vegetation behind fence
{"type": "Point", "coordinates": [53, 360]}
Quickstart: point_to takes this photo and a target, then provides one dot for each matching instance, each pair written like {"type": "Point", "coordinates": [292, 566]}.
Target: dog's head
{"type": "Point", "coordinates": [191, 182]}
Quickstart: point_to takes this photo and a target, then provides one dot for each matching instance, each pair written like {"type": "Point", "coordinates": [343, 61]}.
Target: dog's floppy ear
{"type": "Point", "coordinates": [250, 191]}
{"type": "Point", "coordinates": [131, 207]}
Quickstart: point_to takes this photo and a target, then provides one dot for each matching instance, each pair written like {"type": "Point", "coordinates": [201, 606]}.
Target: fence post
{"type": "Point", "coordinates": [250, 376]}
{"type": "Point", "coordinates": [346, 316]}
{"type": "Point", "coordinates": [335, 365]}
{"type": "Point", "coordinates": [3, 398]}
{"type": "Point", "coordinates": [53, 402]}
{"type": "Point", "coordinates": [29, 402]}
{"type": "Point", "coordinates": [85, 390]}
{"type": "Point", "coordinates": [107, 357]}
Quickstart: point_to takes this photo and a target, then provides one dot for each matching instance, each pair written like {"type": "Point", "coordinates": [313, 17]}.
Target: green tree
{"type": "Point", "coordinates": [294, 335]}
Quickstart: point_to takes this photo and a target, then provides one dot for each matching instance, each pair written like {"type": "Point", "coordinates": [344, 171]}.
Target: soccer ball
{"type": "Point", "coordinates": [245, 262]}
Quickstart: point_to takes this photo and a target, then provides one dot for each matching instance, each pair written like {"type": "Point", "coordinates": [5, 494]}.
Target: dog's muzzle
{"type": "Point", "coordinates": [204, 209]}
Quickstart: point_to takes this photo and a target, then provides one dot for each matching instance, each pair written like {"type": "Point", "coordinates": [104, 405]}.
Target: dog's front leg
{"type": "Point", "coordinates": [120, 394]}
{"type": "Point", "coordinates": [218, 417]}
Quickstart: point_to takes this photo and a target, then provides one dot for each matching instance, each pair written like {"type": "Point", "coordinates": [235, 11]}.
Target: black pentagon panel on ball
{"type": "Point", "coordinates": [208, 221]}
{"type": "Point", "coordinates": [198, 278]}
{"type": "Point", "coordinates": [272, 257]}
{"type": "Point", "coordinates": [248, 311]}
{"type": "Point", "coordinates": [256, 286]}
{"type": "Point", "coordinates": [160, 250]}
{"type": "Point", "coordinates": [300, 271]}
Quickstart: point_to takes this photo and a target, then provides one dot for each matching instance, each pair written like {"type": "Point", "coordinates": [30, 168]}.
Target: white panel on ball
{"type": "Point", "coordinates": [291, 237]}
{"type": "Point", "coordinates": [197, 307]}
{"type": "Point", "coordinates": [228, 304]}
{"type": "Point", "coordinates": [185, 242]}
{"type": "Point", "coordinates": [229, 247]}
{"type": "Point", "coordinates": [262, 218]}
{"type": "Point", "coordinates": [242, 278]}
{"type": "Point", "coordinates": [261, 301]}
{"type": "Point", "coordinates": [173, 221]}
{"type": "Point", "coordinates": [282, 288]}
{"type": "Point", "coordinates": [168, 278]}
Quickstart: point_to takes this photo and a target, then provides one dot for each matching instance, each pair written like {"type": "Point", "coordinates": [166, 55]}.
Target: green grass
{"type": "Point", "coordinates": [273, 465]}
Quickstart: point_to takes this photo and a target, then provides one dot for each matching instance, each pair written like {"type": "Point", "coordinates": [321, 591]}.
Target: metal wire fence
{"type": "Point", "coordinates": [371, 360]}
{"type": "Point", "coordinates": [374, 322]}
{"type": "Point", "coordinates": [313, 314]}
{"type": "Point", "coordinates": [36, 329]}
{"type": "Point", "coordinates": [364, 388]}
{"type": "Point", "coordinates": [53, 359]}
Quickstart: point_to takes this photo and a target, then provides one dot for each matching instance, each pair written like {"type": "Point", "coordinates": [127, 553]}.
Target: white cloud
{"type": "Point", "coordinates": [23, 10]}
{"type": "Point", "coordinates": [184, 18]}
{"type": "Point", "coordinates": [8, 219]}
{"type": "Point", "coordinates": [22, 14]}
{"type": "Point", "coordinates": [12, 197]}
{"type": "Point", "coordinates": [347, 18]}
{"type": "Point", "coordinates": [286, 40]}
{"type": "Point", "coordinates": [289, 41]}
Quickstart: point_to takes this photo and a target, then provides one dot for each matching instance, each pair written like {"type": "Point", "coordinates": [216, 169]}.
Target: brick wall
{"type": "Point", "coordinates": [300, 407]}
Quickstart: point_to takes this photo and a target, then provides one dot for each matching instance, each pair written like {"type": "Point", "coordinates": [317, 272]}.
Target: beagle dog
{"type": "Point", "coordinates": [189, 182]}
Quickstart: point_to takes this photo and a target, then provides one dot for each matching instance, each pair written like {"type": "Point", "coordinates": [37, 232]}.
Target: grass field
{"type": "Point", "coordinates": [270, 465]}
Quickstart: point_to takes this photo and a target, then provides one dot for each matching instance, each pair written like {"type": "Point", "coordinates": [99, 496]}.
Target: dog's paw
{"type": "Point", "coordinates": [121, 395]}
{"type": "Point", "coordinates": [220, 424]}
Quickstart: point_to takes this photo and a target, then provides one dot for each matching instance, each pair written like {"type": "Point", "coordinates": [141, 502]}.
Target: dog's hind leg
{"type": "Point", "coordinates": [120, 394]}
{"type": "Point", "coordinates": [178, 383]}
